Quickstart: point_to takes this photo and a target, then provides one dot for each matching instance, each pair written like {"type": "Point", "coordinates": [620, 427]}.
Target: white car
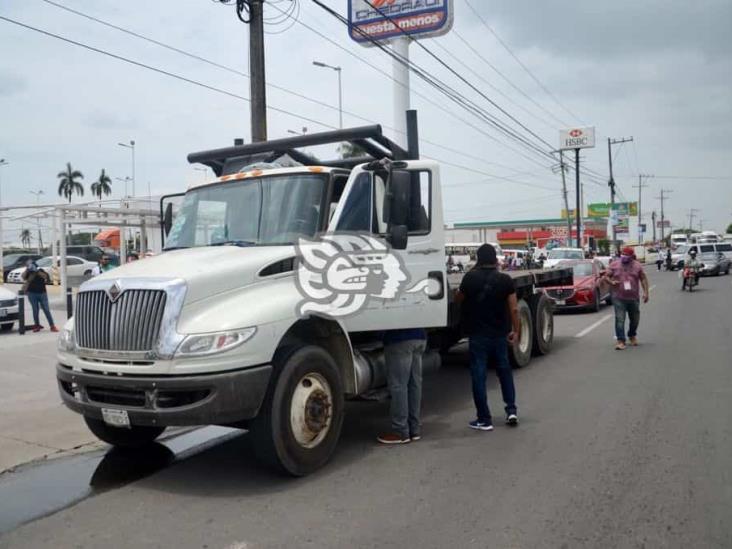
{"type": "Point", "coordinates": [75, 266]}
{"type": "Point", "coordinates": [8, 309]}
{"type": "Point", "coordinates": [556, 255]}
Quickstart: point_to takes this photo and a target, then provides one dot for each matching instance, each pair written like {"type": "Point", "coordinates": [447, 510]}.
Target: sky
{"type": "Point", "coordinates": [660, 72]}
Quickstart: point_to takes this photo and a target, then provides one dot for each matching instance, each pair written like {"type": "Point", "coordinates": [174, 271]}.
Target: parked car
{"type": "Point", "coordinates": [8, 309]}
{"type": "Point", "coordinates": [714, 264]}
{"type": "Point", "coordinates": [75, 266]}
{"type": "Point", "coordinates": [587, 292]}
{"type": "Point", "coordinates": [561, 254]}
{"type": "Point", "coordinates": [13, 261]}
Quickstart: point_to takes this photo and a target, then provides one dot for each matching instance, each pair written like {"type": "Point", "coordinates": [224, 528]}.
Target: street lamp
{"type": "Point", "coordinates": [131, 146]}
{"type": "Point", "coordinates": [340, 89]}
{"type": "Point", "coordinates": [38, 219]}
{"type": "Point", "coordinates": [295, 132]}
{"type": "Point", "coordinates": [125, 180]}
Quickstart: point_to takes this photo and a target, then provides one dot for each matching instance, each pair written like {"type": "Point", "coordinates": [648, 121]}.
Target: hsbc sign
{"type": "Point", "coordinates": [577, 138]}
{"type": "Point", "coordinates": [383, 19]}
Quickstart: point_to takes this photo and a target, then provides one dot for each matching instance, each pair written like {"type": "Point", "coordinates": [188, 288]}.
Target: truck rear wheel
{"type": "Point", "coordinates": [520, 354]}
{"type": "Point", "coordinates": [543, 317]}
{"type": "Point", "coordinates": [300, 420]}
{"type": "Point", "coordinates": [134, 437]}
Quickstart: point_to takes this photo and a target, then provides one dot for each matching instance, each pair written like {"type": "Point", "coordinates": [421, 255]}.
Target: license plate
{"type": "Point", "coordinates": [3, 313]}
{"type": "Point", "coordinates": [116, 418]}
{"type": "Point", "coordinates": [561, 302]}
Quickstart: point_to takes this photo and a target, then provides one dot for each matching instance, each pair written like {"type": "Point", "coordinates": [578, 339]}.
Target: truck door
{"type": "Point", "coordinates": [370, 206]}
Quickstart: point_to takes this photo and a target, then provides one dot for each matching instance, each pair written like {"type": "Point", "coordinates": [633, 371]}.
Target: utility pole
{"type": "Point", "coordinates": [565, 193]}
{"type": "Point", "coordinates": [257, 81]}
{"type": "Point", "coordinates": [653, 219]}
{"type": "Point", "coordinates": [640, 186]}
{"type": "Point", "coordinates": [578, 213]}
{"type": "Point", "coordinates": [662, 198]}
{"type": "Point", "coordinates": [692, 215]}
{"type": "Point", "coordinates": [611, 181]}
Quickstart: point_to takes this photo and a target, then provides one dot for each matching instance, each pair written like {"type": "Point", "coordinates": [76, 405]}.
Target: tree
{"type": "Point", "coordinates": [103, 185]}
{"type": "Point", "coordinates": [729, 229]}
{"type": "Point", "coordinates": [25, 238]}
{"type": "Point", "coordinates": [68, 184]}
{"type": "Point", "coordinates": [349, 150]}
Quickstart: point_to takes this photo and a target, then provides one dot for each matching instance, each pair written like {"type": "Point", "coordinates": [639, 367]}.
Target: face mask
{"type": "Point", "coordinates": [625, 258]}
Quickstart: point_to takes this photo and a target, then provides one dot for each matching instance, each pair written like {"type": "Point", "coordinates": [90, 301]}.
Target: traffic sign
{"type": "Point", "coordinates": [577, 138]}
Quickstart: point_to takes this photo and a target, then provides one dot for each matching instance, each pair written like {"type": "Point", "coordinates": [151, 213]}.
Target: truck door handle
{"type": "Point", "coordinates": [439, 276]}
{"type": "Point", "coordinates": [428, 251]}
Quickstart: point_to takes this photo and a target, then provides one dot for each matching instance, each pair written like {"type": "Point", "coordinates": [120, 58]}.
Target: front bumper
{"type": "Point", "coordinates": [210, 399]}
{"type": "Point", "coordinates": [9, 317]}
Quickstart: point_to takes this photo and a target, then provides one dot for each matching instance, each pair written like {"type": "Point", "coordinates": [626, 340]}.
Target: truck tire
{"type": "Point", "coordinates": [542, 313]}
{"type": "Point", "coordinates": [134, 437]}
{"type": "Point", "coordinates": [520, 354]}
{"type": "Point", "coordinates": [6, 327]}
{"type": "Point", "coordinates": [300, 420]}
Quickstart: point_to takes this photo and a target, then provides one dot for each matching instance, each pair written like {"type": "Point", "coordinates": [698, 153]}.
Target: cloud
{"type": "Point", "coordinates": [106, 120]}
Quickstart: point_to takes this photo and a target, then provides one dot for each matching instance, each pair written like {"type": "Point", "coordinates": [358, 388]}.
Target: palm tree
{"type": "Point", "coordinates": [103, 185]}
{"type": "Point", "coordinates": [69, 184]}
{"type": "Point", "coordinates": [25, 238]}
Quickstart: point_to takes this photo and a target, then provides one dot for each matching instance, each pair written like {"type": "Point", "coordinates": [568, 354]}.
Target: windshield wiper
{"type": "Point", "coordinates": [239, 243]}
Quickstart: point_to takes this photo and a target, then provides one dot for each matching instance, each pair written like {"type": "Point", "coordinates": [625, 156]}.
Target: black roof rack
{"type": "Point", "coordinates": [369, 138]}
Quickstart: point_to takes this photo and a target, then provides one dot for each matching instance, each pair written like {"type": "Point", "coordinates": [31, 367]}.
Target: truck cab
{"type": "Point", "coordinates": [241, 321]}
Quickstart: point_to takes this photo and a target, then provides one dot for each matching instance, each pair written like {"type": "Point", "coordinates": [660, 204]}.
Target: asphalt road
{"type": "Point", "coordinates": [615, 449]}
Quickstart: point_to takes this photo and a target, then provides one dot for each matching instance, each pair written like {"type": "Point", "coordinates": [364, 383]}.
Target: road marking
{"type": "Point", "coordinates": [593, 326]}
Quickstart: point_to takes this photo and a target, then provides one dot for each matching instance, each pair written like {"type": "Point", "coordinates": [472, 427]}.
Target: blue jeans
{"type": "Point", "coordinates": [481, 349]}
{"type": "Point", "coordinates": [404, 374]}
{"type": "Point", "coordinates": [623, 306]}
{"type": "Point", "coordinates": [36, 300]}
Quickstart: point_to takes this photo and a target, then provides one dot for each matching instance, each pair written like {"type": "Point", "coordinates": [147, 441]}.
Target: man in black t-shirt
{"type": "Point", "coordinates": [490, 311]}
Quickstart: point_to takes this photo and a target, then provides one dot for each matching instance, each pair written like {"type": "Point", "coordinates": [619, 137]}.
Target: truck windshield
{"type": "Point", "coordinates": [259, 211]}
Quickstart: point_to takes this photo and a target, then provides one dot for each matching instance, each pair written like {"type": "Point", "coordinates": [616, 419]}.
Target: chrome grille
{"type": "Point", "coordinates": [131, 323]}
{"type": "Point", "coordinates": [560, 293]}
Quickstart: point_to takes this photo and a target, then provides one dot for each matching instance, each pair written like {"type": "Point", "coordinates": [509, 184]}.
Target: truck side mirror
{"type": "Point", "coordinates": [398, 188]}
{"type": "Point", "coordinates": [396, 214]}
{"type": "Point", "coordinates": [168, 218]}
{"type": "Point", "coordinates": [397, 237]}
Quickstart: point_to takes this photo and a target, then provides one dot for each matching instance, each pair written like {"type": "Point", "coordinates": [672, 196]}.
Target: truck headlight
{"type": "Point", "coordinates": [65, 341]}
{"type": "Point", "coordinates": [208, 344]}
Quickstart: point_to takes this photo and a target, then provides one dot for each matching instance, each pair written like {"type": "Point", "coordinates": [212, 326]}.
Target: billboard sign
{"type": "Point", "coordinates": [666, 223]}
{"type": "Point", "coordinates": [602, 209]}
{"type": "Point", "coordinates": [385, 19]}
{"type": "Point", "coordinates": [577, 138]}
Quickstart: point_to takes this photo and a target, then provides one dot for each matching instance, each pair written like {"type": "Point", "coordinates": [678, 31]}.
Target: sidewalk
{"type": "Point", "coordinates": [33, 423]}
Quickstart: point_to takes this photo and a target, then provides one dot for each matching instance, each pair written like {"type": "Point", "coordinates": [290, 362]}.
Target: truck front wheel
{"type": "Point", "coordinates": [300, 420]}
{"type": "Point", "coordinates": [135, 436]}
{"type": "Point", "coordinates": [543, 317]}
{"type": "Point", "coordinates": [519, 354]}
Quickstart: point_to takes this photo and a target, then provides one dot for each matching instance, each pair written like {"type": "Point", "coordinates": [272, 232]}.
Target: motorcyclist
{"type": "Point", "coordinates": [669, 260]}
{"type": "Point", "coordinates": [694, 265]}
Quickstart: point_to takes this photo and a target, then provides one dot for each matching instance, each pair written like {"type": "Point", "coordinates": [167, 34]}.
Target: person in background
{"type": "Point", "coordinates": [659, 258]}
{"type": "Point", "coordinates": [626, 278]}
{"type": "Point", "coordinates": [403, 350]}
{"type": "Point", "coordinates": [669, 260]}
{"type": "Point", "coordinates": [133, 256]}
{"type": "Point", "coordinates": [103, 266]}
{"type": "Point", "coordinates": [492, 323]}
{"type": "Point", "coordinates": [35, 288]}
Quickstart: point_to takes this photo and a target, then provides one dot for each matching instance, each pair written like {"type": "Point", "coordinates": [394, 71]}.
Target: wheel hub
{"type": "Point", "coordinates": [311, 410]}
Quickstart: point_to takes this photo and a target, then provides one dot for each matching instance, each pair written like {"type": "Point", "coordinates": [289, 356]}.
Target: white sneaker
{"type": "Point", "coordinates": [512, 420]}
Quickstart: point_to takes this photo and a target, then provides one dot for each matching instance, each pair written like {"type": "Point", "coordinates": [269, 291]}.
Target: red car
{"type": "Point", "coordinates": [587, 292]}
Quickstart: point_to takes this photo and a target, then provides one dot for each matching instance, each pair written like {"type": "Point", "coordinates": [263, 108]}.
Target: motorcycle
{"type": "Point", "coordinates": [689, 279]}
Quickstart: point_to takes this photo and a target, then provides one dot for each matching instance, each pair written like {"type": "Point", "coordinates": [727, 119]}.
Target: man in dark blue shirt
{"type": "Point", "coordinates": [403, 350]}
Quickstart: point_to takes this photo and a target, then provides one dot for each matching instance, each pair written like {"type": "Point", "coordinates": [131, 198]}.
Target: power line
{"type": "Point", "coordinates": [454, 72]}
{"type": "Point", "coordinates": [523, 66]}
{"type": "Point", "coordinates": [443, 88]}
{"type": "Point", "coordinates": [158, 70]}
{"type": "Point", "coordinates": [243, 74]}
{"type": "Point", "coordinates": [440, 107]}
